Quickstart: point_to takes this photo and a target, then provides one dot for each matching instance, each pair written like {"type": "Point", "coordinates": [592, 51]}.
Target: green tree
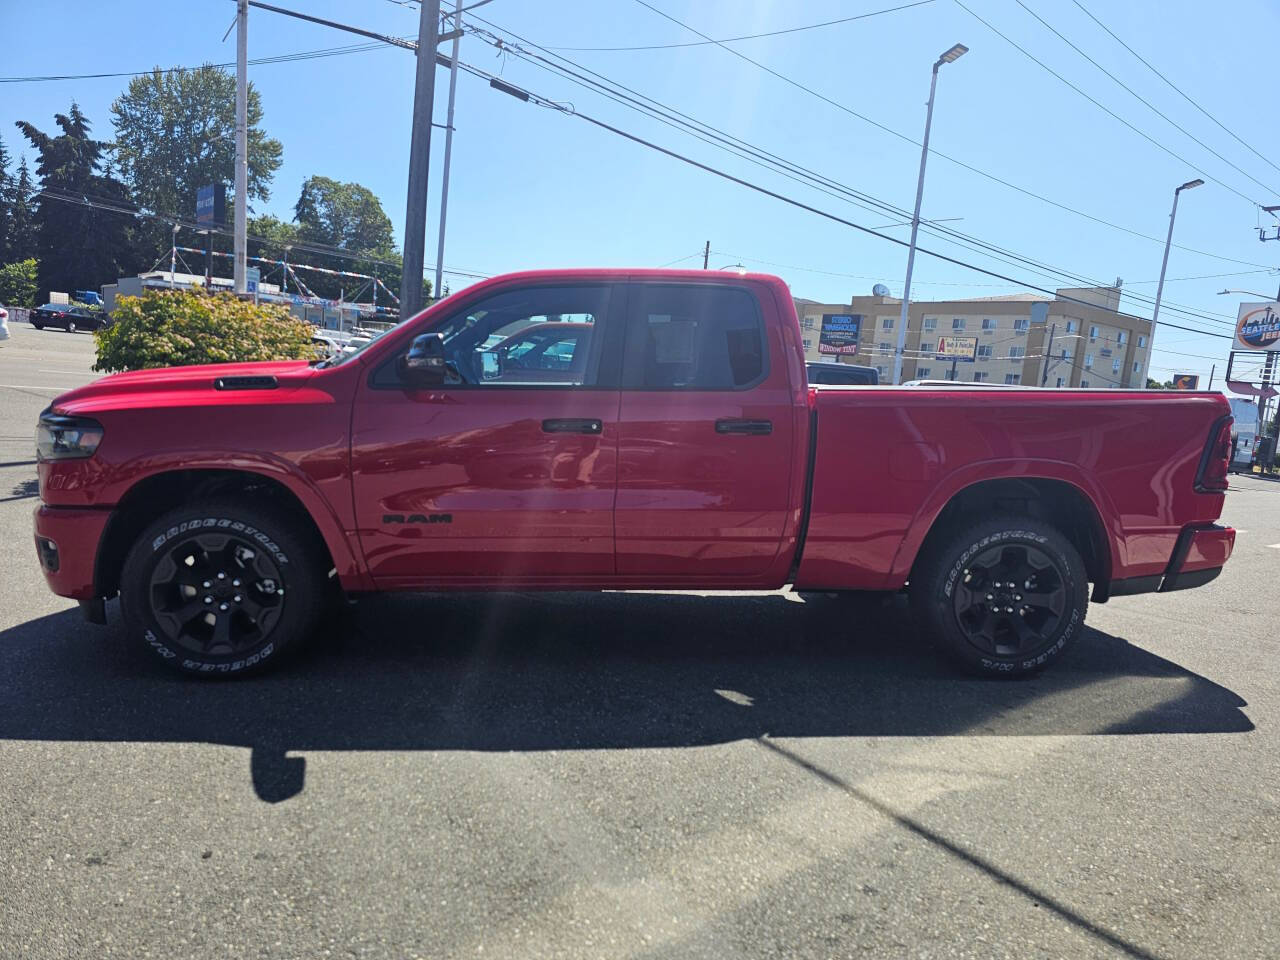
{"type": "Point", "coordinates": [6, 203]}
{"type": "Point", "coordinates": [175, 132]}
{"type": "Point", "coordinates": [165, 328]}
{"type": "Point", "coordinates": [22, 217]}
{"type": "Point", "coordinates": [18, 284]}
{"type": "Point", "coordinates": [350, 217]}
{"type": "Point", "coordinates": [81, 241]}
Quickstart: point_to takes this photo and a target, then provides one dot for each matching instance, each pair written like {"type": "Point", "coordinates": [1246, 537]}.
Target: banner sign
{"type": "Point", "coordinates": [1258, 326]}
{"type": "Point", "coordinates": [840, 333]}
{"type": "Point", "coordinates": [252, 277]}
{"type": "Point", "coordinates": [957, 348]}
{"type": "Point", "coordinates": [211, 205]}
{"type": "Point", "coordinates": [1186, 381]}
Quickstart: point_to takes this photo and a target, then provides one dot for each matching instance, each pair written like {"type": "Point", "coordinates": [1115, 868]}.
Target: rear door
{"type": "Point", "coordinates": [507, 473]}
{"type": "Point", "coordinates": [706, 434]}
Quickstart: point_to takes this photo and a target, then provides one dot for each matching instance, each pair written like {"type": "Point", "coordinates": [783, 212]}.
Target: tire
{"type": "Point", "coordinates": [38, 326]}
{"type": "Point", "coordinates": [71, 326]}
{"type": "Point", "coordinates": [1003, 596]}
{"type": "Point", "coordinates": [251, 570]}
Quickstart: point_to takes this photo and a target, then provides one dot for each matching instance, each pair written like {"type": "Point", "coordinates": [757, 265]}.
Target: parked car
{"type": "Point", "coordinates": [4, 324]}
{"type": "Point", "coordinates": [688, 452]}
{"type": "Point", "coordinates": [66, 317]}
{"type": "Point", "coordinates": [842, 374]}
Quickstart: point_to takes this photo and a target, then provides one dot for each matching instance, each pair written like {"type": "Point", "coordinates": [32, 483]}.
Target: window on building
{"type": "Point", "coordinates": [923, 372]}
{"type": "Point", "coordinates": [931, 323]}
{"type": "Point", "coordinates": [988, 323]}
{"type": "Point", "coordinates": [1084, 383]}
{"type": "Point", "coordinates": [809, 323]}
{"type": "Point", "coordinates": [1017, 353]}
{"type": "Point", "coordinates": [1142, 340]}
{"type": "Point", "coordinates": [984, 352]}
{"type": "Point", "coordinates": [880, 372]}
{"type": "Point", "coordinates": [1071, 326]}
{"type": "Point", "coordinates": [1021, 324]}
{"type": "Point", "coordinates": [1013, 378]}
{"type": "Point", "coordinates": [1122, 337]}
{"type": "Point", "coordinates": [1066, 355]}
{"type": "Point", "coordinates": [926, 346]}
{"type": "Point", "coordinates": [1093, 332]}
{"type": "Point", "coordinates": [1059, 381]}
{"type": "Point", "coordinates": [884, 348]}
{"type": "Point", "coordinates": [1136, 366]}
{"type": "Point", "coordinates": [981, 377]}
{"type": "Point", "coordinates": [886, 323]}
{"type": "Point", "coordinates": [957, 323]}
{"type": "Point", "coordinates": [1088, 361]}
{"type": "Point", "coordinates": [808, 345]}
{"type": "Point", "coordinates": [1115, 365]}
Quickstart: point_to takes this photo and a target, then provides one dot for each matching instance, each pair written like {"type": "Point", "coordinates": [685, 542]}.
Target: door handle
{"type": "Point", "coordinates": [572, 425]}
{"type": "Point", "coordinates": [754, 428]}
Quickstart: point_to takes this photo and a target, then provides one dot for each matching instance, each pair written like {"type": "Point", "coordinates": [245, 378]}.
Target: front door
{"type": "Point", "coordinates": [706, 435]}
{"type": "Point", "coordinates": [507, 473]}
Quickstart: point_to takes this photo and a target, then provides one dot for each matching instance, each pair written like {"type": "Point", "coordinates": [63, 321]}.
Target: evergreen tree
{"type": "Point", "coordinates": [22, 223]}
{"type": "Point", "coordinates": [80, 242]}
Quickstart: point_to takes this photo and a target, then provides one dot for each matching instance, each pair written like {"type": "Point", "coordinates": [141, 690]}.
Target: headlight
{"type": "Point", "coordinates": [66, 438]}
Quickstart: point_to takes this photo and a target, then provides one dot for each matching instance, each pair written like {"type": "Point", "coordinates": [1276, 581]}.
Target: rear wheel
{"type": "Point", "coordinates": [71, 326]}
{"type": "Point", "coordinates": [221, 589]}
{"type": "Point", "coordinates": [1003, 596]}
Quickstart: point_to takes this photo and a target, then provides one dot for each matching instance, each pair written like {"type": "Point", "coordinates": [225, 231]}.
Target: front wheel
{"type": "Point", "coordinates": [1003, 596]}
{"type": "Point", "coordinates": [221, 589]}
{"type": "Point", "coordinates": [38, 326]}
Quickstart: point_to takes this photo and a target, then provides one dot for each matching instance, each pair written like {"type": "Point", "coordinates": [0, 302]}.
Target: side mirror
{"type": "Point", "coordinates": [424, 364]}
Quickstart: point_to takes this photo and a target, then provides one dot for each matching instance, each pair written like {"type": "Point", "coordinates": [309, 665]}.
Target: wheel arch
{"type": "Point", "coordinates": [1054, 499]}
{"type": "Point", "coordinates": [152, 495]}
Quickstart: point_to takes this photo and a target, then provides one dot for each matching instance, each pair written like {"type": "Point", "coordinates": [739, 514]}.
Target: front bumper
{"type": "Point", "coordinates": [1199, 555]}
{"type": "Point", "coordinates": [67, 540]}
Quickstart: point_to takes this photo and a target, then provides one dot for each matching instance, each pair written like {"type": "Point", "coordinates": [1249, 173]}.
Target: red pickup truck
{"type": "Point", "coordinates": [665, 437]}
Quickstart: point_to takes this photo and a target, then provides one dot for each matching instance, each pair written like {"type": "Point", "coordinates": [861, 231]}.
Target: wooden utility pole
{"type": "Point", "coordinates": [706, 254]}
{"type": "Point", "coordinates": [415, 215]}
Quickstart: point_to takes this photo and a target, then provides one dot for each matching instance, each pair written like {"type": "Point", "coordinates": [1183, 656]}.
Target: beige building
{"type": "Point", "coordinates": [1093, 344]}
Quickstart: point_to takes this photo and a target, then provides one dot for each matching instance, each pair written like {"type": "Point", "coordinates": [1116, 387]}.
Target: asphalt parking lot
{"type": "Point", "coordinates": [635, 775]}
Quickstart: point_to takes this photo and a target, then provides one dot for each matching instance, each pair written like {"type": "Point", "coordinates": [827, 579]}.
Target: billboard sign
{"type": "Point", "coordinates": [252, 276]}
{"type": "Point", "coordinates": [211, 205]}
{"type": "Point", "coordinates": [957, 348]}
{"type": "Point", "coordinates": [1258, 326]}
{"type": "Point", "coordinates": [1186, 381]}
{"type": "Point", "coordinates": [840, 333]}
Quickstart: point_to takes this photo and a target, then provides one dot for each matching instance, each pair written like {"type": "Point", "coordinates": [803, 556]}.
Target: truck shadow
{"type": "Point", "coordinates": [579, 672]}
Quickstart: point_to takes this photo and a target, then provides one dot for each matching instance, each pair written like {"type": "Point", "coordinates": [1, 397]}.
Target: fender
{"type": "Point", "coordinates": [351, 569]}
{"type": "Point", "coordinates": [1004, 469]}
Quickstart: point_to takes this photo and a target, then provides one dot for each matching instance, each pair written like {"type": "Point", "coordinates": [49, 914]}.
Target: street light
{"type": "Point", "coordinates": [1155, 311]}
{"type": "Point", "coordinates": [952, 55]}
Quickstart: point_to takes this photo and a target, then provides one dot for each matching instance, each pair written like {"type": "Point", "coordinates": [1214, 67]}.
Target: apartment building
{"type": "Point", "coordinates": [1077, 338]}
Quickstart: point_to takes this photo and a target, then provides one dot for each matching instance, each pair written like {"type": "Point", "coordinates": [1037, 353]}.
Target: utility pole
{"type": "Point", "coordinates": [242, 141]}
{"type": "Point", "coordinates": [415, 228]}
{"type": "Point", "coordinates": [706, 254]}
{"type": "Point", "coordinates": [1212, 370]}
{"type": "Point", "coordinates": [448, 147]}
{"type": "Point", "coordinates": [1048, 355]}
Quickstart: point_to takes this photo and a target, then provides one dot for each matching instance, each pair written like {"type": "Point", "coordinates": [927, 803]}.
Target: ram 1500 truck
{"type": "Point", "coordinates": [614, 429]}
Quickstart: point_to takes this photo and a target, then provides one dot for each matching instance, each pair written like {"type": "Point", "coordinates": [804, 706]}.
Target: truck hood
{"type": "Point", "coordinates": [187, 386]}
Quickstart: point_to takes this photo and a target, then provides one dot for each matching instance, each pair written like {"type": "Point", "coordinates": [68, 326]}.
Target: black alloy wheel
{"type": "Point", "coordinates": [216, 593]}
{"type": "Point", "coordinates": [1010, 599]}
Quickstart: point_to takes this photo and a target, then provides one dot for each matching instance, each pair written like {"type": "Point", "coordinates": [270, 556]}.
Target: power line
{"type": "Point", "coordinates": [1142, 99]}
{"type": "Point", "coordinates": [280, 58]}
{"type": "Point", "coordinates": [749, 36]}
{"type": "Point", "coordinates": [960, 163]}
{"type": "Point", "coordinates": [1175, 88]}
{"type": "Point", "coordinates": [1097, 103]}
{"type": "Point", "coordinates": [709, 134]}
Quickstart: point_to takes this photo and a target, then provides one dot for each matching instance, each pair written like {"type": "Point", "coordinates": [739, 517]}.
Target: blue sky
{"type": "Point", "coordinates": [532, 187]}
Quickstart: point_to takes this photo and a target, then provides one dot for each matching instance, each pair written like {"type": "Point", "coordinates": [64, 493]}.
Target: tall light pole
{"type": "Point", "coordinates": [955, 53]}
{"type": "Point", "coordinates": [242, 142]}
{"type": "Point", "coordinates": [1155, 311]}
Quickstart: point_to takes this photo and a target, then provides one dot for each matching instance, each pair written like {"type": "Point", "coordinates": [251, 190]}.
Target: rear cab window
{"type": "Point", "coordinates": [693, 337]}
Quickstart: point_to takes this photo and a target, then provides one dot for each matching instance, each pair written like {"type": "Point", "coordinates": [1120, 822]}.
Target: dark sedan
{"type": "Point", "coordinates": [65, 317]}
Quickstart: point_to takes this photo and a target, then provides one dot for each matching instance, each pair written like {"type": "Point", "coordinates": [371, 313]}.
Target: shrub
{"type": "Point", "coordinates": [18, 284]}
{"type": "Point", "coordinates": [185, 327]}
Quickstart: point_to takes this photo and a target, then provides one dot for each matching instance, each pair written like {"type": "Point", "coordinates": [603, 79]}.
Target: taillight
{"type": "Point", "coordinates": [1216, 461]}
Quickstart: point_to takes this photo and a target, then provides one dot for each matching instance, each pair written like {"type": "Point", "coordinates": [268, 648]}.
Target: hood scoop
{"type": "Point", "coordinates": [245, 383]}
